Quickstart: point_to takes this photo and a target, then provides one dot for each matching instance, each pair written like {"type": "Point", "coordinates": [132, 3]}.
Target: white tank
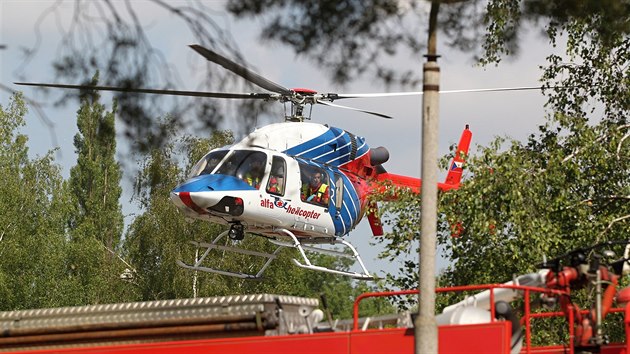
{"type": "Point", "coordinates": [463, 315]}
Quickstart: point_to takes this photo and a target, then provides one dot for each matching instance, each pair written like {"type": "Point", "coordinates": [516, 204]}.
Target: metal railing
{"type": "Point", "coordinates": [525, 320]}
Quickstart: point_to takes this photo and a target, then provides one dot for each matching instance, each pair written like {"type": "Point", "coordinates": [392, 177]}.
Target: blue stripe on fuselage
{"type": "Point", "coordinates": [307, 148]}
{"type": "Point", "coordinates": [334, 147]}
{"type": "Point", "coordinates": [205, 183]}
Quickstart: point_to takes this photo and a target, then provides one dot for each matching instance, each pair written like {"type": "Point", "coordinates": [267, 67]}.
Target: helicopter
{"type": "Point", "coordinates": [298, 184]}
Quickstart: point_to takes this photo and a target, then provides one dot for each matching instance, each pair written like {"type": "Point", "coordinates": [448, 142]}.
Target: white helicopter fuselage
{"type": "Point", "coordinates": [263, 212]}
{"type": "Point", "coordinates": [220, 192]}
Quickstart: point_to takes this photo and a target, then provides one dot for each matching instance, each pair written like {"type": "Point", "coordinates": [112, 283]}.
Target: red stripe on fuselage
{"type": "Point", "coordinates": [359, 170]}
{"type": "Point", "coordinates": [187, 200]}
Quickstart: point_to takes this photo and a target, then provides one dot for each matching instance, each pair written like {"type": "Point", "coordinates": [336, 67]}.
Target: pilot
{"type": "Point", "coordinates": [276, 181]}
{"type": "Point", "coordinates": [316, 191]}
{"type": "Point", "coordinates": [254, 173]}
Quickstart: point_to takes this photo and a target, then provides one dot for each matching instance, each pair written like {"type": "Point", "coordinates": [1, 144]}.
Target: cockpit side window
{"type": "Point", "coordinates": [247, 165]}
{"type": "Point", "coordinates": [208, 163]}
{"type": "Point", "coordinates": [277, 177]}
{"type": "Point", "coordinates": [338, 191]}
{"type": "Point", "coordinates": [315, 185]}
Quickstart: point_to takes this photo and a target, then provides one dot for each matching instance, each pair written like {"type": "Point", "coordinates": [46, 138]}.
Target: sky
{"type": "Point", "coordinates": [510, 114]}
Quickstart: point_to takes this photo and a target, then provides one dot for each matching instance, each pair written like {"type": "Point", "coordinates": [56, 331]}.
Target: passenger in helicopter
{"type": "Point", "coordinates": [276, 180]}
{"type": "Point", "coordinates": [316, 191]}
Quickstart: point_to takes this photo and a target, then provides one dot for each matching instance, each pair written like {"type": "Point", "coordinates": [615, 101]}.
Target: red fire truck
{"type": "Point", "coordinates": [495, 318]}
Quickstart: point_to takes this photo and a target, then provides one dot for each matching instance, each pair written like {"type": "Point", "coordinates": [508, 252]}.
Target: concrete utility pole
{"type": "Point", "coordinates": [426, 336]}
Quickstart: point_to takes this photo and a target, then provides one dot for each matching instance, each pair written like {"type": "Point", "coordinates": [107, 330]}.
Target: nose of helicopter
{"type": "Point", "coordinates": [203, 192]}
{"type": "Point", "coordinates": [177, 200]}
{"type": "Point", "coordinates": [184, 201]}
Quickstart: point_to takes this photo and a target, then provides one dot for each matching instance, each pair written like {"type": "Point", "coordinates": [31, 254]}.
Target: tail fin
{"type": "Point", "coordinates": [454, 176]}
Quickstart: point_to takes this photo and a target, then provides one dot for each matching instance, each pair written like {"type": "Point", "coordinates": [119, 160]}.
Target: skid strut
{"type": "Point", "coordinates": [214, 245]}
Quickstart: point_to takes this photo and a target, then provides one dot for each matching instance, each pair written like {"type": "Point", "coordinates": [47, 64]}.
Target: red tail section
{"type": "Point", "coordinates": [453, 178]}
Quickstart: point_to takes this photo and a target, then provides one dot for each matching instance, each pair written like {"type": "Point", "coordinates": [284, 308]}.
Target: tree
{"type": "Point", "coordinates": [95, 180]}
{"type": "Point", "coordinates": [35, 207]}
{"type": "Point", "coordinates": [97, 222]}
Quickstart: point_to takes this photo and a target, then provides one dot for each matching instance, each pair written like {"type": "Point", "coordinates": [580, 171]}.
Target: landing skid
{"type": "Point", "coordinates": [269, 257]}
{"type": "Point", "coordinates": [365, 275]}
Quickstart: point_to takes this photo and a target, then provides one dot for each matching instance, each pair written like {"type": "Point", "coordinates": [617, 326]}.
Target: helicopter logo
{"type": "Point", "coordinates": [299, 184]}
{"type": "Point", "coordinates": [279, 203]}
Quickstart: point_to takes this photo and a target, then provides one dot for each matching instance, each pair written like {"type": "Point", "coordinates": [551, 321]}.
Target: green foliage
{"type": "Point", "coordinates": [591, 79]}
{"type": "Point", "coordinates": [95, 180]}
{"type": "Point", "coordinates": [32, 225]}
{"type": "Point", "coordinates": [525, 201]}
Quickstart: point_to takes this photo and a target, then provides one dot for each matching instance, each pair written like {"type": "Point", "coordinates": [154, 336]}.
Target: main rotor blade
{"type": "Point", "coordinates": [154, 91]}
{"type": "Point", "coordinates": [496, 89]}
{"type": "Point", "coordinates": [338, 96]}
{"type": "Point", "coordinates": [354, 109]}
{"type": "Point", "coordinates": [241, 70]}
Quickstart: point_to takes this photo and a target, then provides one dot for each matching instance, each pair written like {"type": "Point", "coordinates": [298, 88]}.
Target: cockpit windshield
{"type": "Point", "coordinates": [208, 163]}
{"type": "Point", "coordinates": [247, 165]}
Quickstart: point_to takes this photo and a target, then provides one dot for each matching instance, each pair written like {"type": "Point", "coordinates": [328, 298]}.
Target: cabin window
{"type": "Point", "coordinates": [208, 163]}
{"type": "Point", "coordinates": [277, 177]}
{"type": "Point", "coordinates": [338, 191]}
{"type": "Point", "coordinates": [315, 185]}
{"type": "Point", "coordinates": [247, 165]}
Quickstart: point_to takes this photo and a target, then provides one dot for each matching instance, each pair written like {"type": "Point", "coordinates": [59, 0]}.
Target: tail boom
{"type": "Point", "coordinates": [453, 177]}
